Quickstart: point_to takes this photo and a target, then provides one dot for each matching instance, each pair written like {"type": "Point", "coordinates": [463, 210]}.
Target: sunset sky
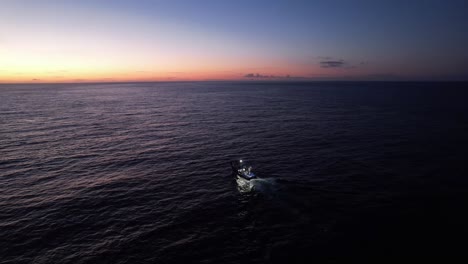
{"type": "Point", "coordinates": [87, 41]}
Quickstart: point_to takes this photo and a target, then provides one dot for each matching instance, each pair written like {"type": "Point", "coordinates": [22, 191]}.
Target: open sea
{"type": "Point", "coordinates": [139, 172]}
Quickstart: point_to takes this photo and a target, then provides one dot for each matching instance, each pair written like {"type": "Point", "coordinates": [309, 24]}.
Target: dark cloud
{"type": "Point", "coordinates": [35, 80]}
{"type": "Point", "coordinates": [332, 64]}
{"type": "Point", "coordinates": [257, 75]}
{"type": "Point", "coordinates": [261, 76]}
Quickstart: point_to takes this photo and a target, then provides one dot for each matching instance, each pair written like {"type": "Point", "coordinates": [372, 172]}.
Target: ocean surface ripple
{"type": "Point", "coordinates": [139, 173]}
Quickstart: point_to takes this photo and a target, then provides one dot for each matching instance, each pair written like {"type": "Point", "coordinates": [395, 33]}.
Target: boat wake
{"type": "Point", "coordinates": [261, 185]}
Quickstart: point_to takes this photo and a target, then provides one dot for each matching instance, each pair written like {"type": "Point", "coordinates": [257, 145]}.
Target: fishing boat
{"type": "Point", "coordinates": [242, 169]}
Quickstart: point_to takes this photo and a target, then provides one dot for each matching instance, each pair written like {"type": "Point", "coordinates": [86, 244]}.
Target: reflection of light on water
{"type": "Point", "coordinates": [243, 185]}
{"type": "Point", "coordinates": [261, 185]}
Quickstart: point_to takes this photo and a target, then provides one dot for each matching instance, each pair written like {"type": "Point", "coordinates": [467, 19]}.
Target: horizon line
{"type": "Point", "coordinates": [243, 81]}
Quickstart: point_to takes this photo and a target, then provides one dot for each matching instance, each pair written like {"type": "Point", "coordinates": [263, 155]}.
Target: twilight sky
{"type": "Point", "coordinates": [73, 41]}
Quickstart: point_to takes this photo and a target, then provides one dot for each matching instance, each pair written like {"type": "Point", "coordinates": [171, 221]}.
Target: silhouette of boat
{"type": "Point", "coordinates": [242, 169]}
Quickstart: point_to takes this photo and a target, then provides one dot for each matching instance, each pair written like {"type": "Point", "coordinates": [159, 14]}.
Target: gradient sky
{"type": "Point", "coordinates": [73, 41]}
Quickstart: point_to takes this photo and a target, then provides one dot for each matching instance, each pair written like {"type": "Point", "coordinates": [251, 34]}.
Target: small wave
{"type": "Point", "coordinates": [260, 185]}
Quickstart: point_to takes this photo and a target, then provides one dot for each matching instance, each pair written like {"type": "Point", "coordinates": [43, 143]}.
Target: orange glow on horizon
{"type": "Point", "coordinates": [51, 67]}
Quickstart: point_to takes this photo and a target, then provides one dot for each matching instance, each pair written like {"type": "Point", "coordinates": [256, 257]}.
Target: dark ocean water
{"type": "Point", "coordinates": [139, 173]}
